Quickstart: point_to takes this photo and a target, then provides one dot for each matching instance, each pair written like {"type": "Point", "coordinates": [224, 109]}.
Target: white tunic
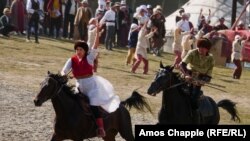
{"type": "Point", "coordinates": [99, 90]}
{"type": "Point", "coordinates": [236, 50]}
{"type": "Point", "coordinates": [142, 44]}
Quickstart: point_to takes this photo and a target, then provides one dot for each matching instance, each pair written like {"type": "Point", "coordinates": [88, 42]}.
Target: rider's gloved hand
{"type": "Point", "coordinates": [188, 78]}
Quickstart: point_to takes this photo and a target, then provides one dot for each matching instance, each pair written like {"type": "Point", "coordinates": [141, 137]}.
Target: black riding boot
{"type": "Point", "coordinates": [195, 103]}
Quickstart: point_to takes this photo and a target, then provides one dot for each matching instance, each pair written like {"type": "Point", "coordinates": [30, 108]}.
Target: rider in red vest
{"type": "Point", "coordinates": [99, 90]}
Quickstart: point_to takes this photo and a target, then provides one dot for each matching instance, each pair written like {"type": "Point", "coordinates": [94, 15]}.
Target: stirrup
{"type": "Point", "coordinates": [101, 132]}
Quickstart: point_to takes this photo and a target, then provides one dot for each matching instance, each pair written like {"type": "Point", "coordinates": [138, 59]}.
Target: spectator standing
{"type": "Point", "coordinates": [69, 17]}
{"type": "Point", "coordinates": [17, 15]}
{"type": "Point", "coordinates": [125, 24]}
{"type": "Point", "coordinates": [141, 48]}
{"type": "Point", "coordinates": [240, 26]}
{"type": "Point", "coordinates": [221, 25]}
{"type": "Point", "coordinates": [32, 8]}
{"type": "Point", "coordinates": [157, 21]}
{"type": "Point", "coordinates": [236, 56]}
{"type": "Point", "coordinates": [54, 8]}
{"type": "Point", "coordinates": [150, 10]}
{"type": "Point", "coordinates": [132, 42]}
{"type": "Point", "coordinates": [179, 17]}
{"type": "Point", "coordinates": [109, 21]}
{"type": "Point", "coordinates": [83, 15]}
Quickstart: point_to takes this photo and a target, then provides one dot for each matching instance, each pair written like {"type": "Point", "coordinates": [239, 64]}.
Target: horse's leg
{"type": "Point", "coordinates": [56, 138]}
{"type": "Point", "coordinates": [110, 135]}
{"type": "Point", "coordinates": [125, 125]}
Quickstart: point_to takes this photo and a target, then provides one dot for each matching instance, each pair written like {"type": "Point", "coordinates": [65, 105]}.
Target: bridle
{"type": "Point", "coordinates": [58, 90]}
{"type": "Point", "coordinates": [170, 83]}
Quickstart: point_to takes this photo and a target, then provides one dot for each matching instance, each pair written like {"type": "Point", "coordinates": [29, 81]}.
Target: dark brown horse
{"type": "Point", "coordinates": [74, 119]}
{"type": "Point", "coordinates": [176, 103]}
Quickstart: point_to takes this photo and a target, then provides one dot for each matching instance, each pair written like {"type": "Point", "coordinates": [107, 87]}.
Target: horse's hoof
{"type": "Point", "coordinates": [101, 132]}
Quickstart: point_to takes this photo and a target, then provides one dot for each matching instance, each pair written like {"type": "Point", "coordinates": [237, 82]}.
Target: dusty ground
{"type": "Point", "coordinates": [23, 66]}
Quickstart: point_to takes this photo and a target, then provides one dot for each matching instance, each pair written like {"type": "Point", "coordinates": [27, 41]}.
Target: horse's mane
{"type": "Point", "coordinates": [176, 75]}
{"type": "Point", "coordinates": [68, 89]}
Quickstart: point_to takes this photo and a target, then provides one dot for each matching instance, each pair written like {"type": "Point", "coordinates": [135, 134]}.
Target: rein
{"type": "Point", "coordinates": [175, 85]}
{"type": "Point", "coordinates": [59, 89]}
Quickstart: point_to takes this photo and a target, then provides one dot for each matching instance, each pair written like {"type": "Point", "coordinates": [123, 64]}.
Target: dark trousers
{"type": "Point", "coordinates": [95, 111]}
{"type": "Point", "coordinates": [68, 22]}
{"type": "Point", "coordinates": [195, 95]}
{"type": "Point", "coordinates": [33, 22]}
{"type": "Point", "coordinates": [83, 31]}
{"type": "Point", "coordinates": [55, 23]}
{"type": "Point", "coordinates": [110, 33]}
{"type": "Point", "coordinates": [7, 29]}
{"type": "Point", "coordinates": [237, 70]}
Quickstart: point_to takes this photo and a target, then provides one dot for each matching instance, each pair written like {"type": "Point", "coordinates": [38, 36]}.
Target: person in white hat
{"type": "Point", "coordinates": [240, 26]}
{"type": "Point", "coordinates": [5, 26]}
{"type": "Point", "coordinates": [157, 21]}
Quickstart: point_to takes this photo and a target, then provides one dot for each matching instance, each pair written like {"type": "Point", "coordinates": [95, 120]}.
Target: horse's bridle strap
{"type": "Point", "coordinates": [57, 91]}
{"type": "Point", "coordinates": [175, 85]}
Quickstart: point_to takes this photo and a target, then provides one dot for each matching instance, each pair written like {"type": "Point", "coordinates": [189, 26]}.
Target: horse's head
{"type": "Point", "coordinates": [50, 87]}
{"type": "Point", "coordinates": [162, 80]}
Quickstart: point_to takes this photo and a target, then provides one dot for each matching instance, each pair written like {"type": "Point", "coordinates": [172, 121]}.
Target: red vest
{"type": "Point", "coordinates": [81, 68]}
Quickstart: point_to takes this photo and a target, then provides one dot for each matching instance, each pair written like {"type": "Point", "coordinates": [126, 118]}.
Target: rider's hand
{"type": "Point", "coordinates": [188, 78]}
{"type": "Point", "coordinates": [201, 82]}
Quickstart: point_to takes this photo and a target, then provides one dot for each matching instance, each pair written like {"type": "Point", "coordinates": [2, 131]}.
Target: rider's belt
{"type": "Point", "coordinates": [84, 76]}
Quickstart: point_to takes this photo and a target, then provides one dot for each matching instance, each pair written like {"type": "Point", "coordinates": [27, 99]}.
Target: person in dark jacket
{"type": "Point", "coordinates": [5, 24]}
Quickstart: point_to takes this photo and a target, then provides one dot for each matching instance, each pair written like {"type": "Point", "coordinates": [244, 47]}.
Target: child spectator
{"type": "Point", "coordinates": [141, 48]}
{"type": "Point", "coordinates": [132, 41]}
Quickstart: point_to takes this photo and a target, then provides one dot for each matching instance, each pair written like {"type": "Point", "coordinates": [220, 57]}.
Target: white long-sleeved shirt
{"type": "Point", "coordinates": [90, 58]}
{"type": "Point", "coordinates": [108, 18]}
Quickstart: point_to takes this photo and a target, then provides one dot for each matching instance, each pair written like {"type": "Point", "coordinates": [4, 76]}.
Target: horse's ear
{"type": "Point", "coordinates": [161, 65]}
{"type": "Point", "coordinates": [172, 67]}
{"type": "Point", "coordinates": [48, 72]}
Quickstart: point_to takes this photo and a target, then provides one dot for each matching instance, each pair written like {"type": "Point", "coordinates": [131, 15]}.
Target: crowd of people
{"type": "Point", "coordinates": [185, 37]}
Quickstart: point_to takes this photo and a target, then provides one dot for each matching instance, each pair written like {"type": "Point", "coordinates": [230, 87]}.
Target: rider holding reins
{"type": "Point", "coordinates": [197, 68]}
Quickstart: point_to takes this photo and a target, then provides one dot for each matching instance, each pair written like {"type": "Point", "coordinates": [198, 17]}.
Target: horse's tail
{"type": "Point", "coordinates": [229, 106]}
{"type": "Point", "coordinates": [137, 101]}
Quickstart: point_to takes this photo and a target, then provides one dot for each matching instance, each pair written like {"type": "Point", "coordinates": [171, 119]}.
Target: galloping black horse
{"type": "Point", "coordinates": [176, 104]}
{"type": "Point", "coordinates": [74, 119]}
